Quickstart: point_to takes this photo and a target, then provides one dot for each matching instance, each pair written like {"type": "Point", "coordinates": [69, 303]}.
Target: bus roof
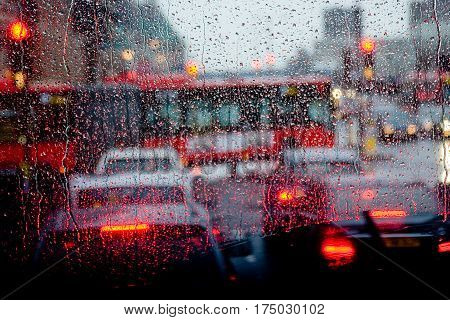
{"type": "Point", "coordinates": [50, 87]}
{"type": "Point", "coordinates": [180, 81]}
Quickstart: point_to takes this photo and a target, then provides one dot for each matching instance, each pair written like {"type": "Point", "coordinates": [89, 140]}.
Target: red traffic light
{"type": "Point", "coordinates": [18, 31]}
{"type": "Point", "coordinates": [367, 46]}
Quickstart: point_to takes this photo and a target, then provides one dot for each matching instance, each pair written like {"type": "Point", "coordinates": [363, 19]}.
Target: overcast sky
{"type": "Point", "coordinates": [229, 34]}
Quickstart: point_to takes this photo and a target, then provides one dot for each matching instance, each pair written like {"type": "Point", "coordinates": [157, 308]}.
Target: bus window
{"type": "Point", "coordinates": [319, 112]}
{"type": "Point", "coordinates": [264, 111]}
{"type": "Point", "coordinates": [171, 115]}
{"type": "Point", "coordinates": [199, 116]}
{"type": "Point", "coordinates": [228, 114]}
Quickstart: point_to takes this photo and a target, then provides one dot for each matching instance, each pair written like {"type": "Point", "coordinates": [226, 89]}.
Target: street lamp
{"type": "Point", "coordinates": [127, 55]}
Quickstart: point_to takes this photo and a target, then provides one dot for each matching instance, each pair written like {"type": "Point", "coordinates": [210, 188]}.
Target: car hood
{"type": "Point", "coordinates": [83, 182]}
{"type": "Point", "coordinates": [126, 215]}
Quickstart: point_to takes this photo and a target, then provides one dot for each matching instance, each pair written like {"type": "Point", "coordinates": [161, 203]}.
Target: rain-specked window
{"type": "Point", "coordinates": [196, 149]}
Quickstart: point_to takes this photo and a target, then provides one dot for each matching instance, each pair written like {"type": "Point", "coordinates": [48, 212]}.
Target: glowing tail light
{"type": "Point", "coordinates": [383, 214]}
{"type": "Point", "coordinates": [124, 228]}
{"type": "Point", "coordinates": [339, 250]}
{"type": "Point", "coordinates": [444, 247]}
{"type": "Point", "coordinates": [287, 195]}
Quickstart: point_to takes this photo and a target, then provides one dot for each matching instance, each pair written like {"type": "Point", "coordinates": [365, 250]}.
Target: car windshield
{"type": "Point", "coordinates": [143, 165]}
{"type": "Point", "coordinates": [307, 142]}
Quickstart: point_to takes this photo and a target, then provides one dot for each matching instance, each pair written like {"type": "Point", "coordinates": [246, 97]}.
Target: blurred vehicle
{"type": "Point", "coordinates": [297, 193]}
{"type": "Point", "coordinates": [235, 126]}
{"type": "Point", "coordinates": [408, 237]}
{"type": "Point", "coordinates": [396, 125]}
{"type": "Point", "coordinates": [53, 130]}
{"type": "Point", "coordinates": [434, 120]}
{"type": "Point", "coordinates": [429, 117]}
{"type": "Point", "coordinates": [139, 160]}
{"type": "Point", "coordinates": [423, 86]}
{"type": "Point", "coordinates": [133, 229]}
{"type": "Point", "coordinates": [156, 160]}
{"type": "Point", "coordinates": [367, 186]}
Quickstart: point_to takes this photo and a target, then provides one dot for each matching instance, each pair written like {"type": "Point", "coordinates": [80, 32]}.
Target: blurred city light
{"type": "Point", "coordinates": [367, 45]}
{"type": "Point", "coordinates": [154, 44]}
{"type": "Point", "coordinates": [20, 80]}
{"type": "Point", "coordinates": [336, 93]}
{"type": "Point", "coordinates": [127, 54]}
{"type": "Point", "coordinates": [270, 59]}
{"type": "Point", "coordinates": [368, 73]}
{"type": "Point", "coordinates": [191, 68]}
{"type": "Point", "coordinates": [256, 64]}
{"type": "Point", "coordinates": [18, 31]}
{"type": "Point", "coordinates": [160, 58]}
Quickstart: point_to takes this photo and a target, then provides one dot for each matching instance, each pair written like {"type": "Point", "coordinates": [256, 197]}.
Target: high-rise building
{"type": "Point", "coordinates": [339, 23]}
{"type": "Point", "coordinates": [94, 39]}
{"type": "Point", "coordinates": [430, 31]}
{"type": "Point", "coordinates": [342, 32]}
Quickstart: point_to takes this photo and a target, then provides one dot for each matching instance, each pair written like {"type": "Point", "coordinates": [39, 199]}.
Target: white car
{"type": "Point", "coordinates": [129, 167]}
{"type": "Point", "coordinates": [149, 219]}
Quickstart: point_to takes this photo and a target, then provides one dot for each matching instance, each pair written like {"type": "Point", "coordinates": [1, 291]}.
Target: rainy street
{"type": "Point", "coordinates": [211, 149]}
{"type": "Point", "coordinates": [241, 207]}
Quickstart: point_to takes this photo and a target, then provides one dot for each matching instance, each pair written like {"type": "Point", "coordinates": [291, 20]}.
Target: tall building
{"type": "Point", "coordinates": [76, 40]}
{"type": "Point", "coordinates": [342, 23]}
{"type": "Point", "coordinates": [144, 41]}
{"type": "Point", "coordinates": [424, 20]}
{"type": "Point", "coordinates": [342, 32]}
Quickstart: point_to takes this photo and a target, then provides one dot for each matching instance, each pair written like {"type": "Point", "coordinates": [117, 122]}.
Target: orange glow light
{"type": "Point", "coordinates": [387, 213]}
{"type": "Point", "coordinates": [367, 45]}
{"type": "Point", "coordinates": [18, 31]}
{"type": "Point", "coordinates": [337, 249]}
{"type": "Point", "coordinates": [444, 247]}
{"type": "Point", "coordinates": [368, 194]}
{"type": "Point", "coordinates": [285, 195]}
{"type": "Point", "coordinates": [125, 227]}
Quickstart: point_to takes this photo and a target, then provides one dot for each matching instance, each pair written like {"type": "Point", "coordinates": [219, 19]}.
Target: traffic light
{"type": "Point", "coordinates": [18, 37]}
{"type": "Point", "coordinates": [367, 48]}
{"type": "Point", "coordinates": [18, 31]}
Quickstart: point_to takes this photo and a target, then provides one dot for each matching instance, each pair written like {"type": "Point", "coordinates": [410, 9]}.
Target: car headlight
{"type": "Point", "coordinates": [388, 129]}
{"type": "Point", "coordinates": [446, 127]}
{"type": "Point", "coordinates": [411, 129]}
{"type": "Point", "coordinates": [427, 125]}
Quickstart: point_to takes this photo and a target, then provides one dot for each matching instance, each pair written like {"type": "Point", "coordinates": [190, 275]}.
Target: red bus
{"type": "Point", "coordinates": [423, 87]}
{"type": "Point", "coordinates": [236, 120]}
{"type": "Point", "coordinates": [48, 132]}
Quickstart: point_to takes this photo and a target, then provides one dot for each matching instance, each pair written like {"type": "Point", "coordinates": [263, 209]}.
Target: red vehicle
{"type": "Point", "coordinates": [425, 87]}
{"type": "Point", "coordinates": [234, 121]}
{"type": "Point", "coordinates": [48, 132]}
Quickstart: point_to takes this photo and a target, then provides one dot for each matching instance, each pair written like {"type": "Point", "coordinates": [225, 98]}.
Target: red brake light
{"type": "Point", "coordinates": [338, 250]}
{"type": "Point", "coordinates": [444, 247]}
{"type": "Point", "coordinates": [382, 214]}
{"type": "Point", "coordinates": [125, 227]}
{"type": "Point", "coordinates": [289, 194]}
